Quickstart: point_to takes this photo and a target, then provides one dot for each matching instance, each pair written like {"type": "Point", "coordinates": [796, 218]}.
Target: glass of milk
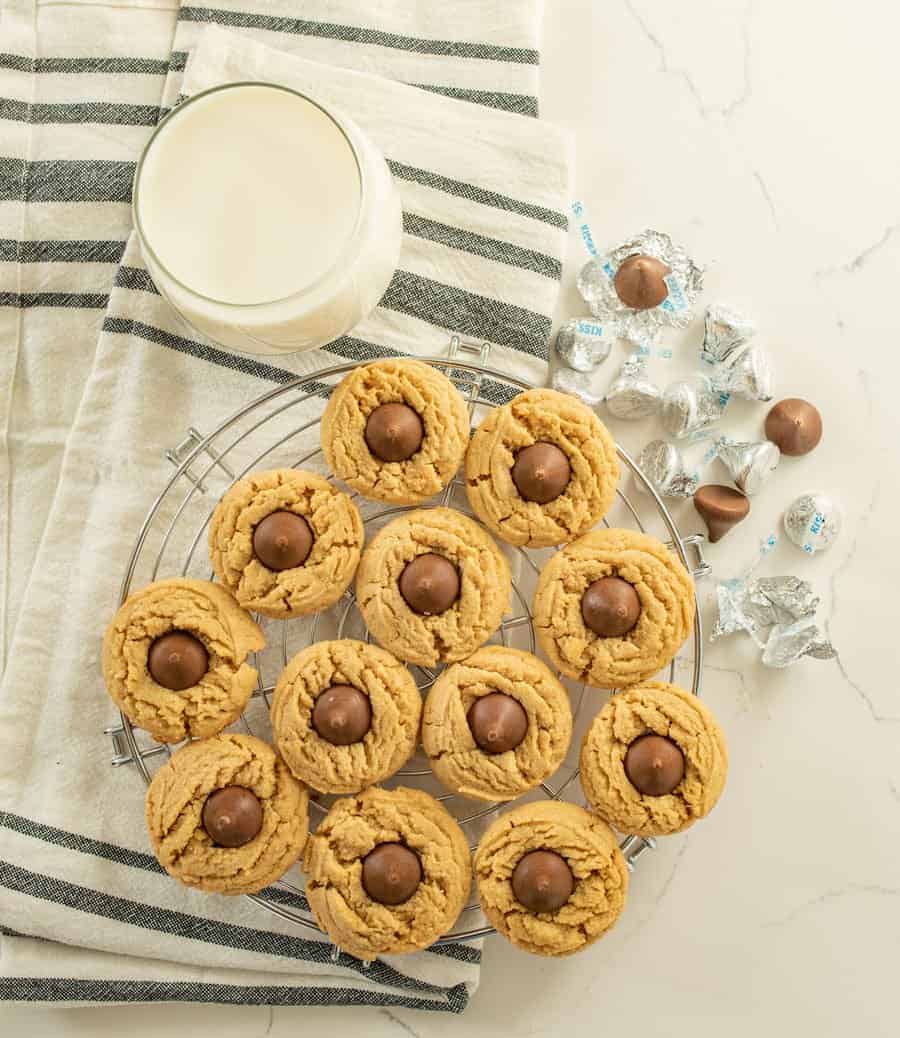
{"type": "Point", "coordinates": [268, 220]}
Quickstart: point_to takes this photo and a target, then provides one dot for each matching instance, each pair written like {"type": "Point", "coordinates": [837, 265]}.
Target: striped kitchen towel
{"type": "Point", "coordinates": [484, 193]}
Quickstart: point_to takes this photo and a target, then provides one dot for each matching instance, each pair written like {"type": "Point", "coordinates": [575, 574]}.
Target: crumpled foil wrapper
{"type": "Point", "coordinates": [577, 384]}
{"type": "Point", "coordinates": [583, 344]}
{"type": "Point", "coordinates": [790, 642]}
{"type": "Point", "coordinates": [753, 605]}
{"type": "Point", "coordinates": [748, 464]}
{"type": "Point", "coordinates": [632, 395]}
{"type": "Point", "coordinates": [726, 330]}
{"type": "Point", "coordinates": [691, 407]}
{"type": "Point", "coordinates": [642, 327]}
{"type": "Point", "coordinates": [779, 615]}
{"type": "Point", "coordinates": [813, 522]}
{"type": "Point", "coordinates": [749, 377]}
{"type": "Point", "coordinates": [663, 465]}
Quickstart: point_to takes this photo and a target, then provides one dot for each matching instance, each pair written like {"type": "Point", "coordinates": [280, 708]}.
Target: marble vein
{"type": "Point", "coordinates": [860, 260]}
{"type": "Point", "coordinates": [746, 91]}
{"type": "Point", "coordinates": [833, 589]}
{"type": "Point", "coordinates": [402, 1024]}
{"type": "Point", "coordinates": [743, 693]}
{"type": "Point", "coordinates": [832, 895]}
{"type": "Point", "coordinates": [664, 889]}
{"type": "Point", "coordinates": [704, 110]}
{"type": "Point", "coordinates": [767, 196]}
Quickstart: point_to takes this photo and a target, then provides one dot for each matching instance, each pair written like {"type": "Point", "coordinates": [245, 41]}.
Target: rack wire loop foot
{"type": "Point", "coordinates": [187, 447]}
{"type": "Point", "coordinates": [696, 542]}
{"type": "Point", "coordinates": [633, 847]}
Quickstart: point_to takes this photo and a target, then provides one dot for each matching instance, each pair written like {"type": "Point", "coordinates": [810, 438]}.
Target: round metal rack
{"type": "Point", "coordinates": [280, 429]}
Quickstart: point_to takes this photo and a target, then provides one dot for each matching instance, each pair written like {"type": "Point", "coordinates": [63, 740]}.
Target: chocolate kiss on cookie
{"type": "Point", "coordinates": [283, 540]}
{"type": "Point", "coordinates": [429, 584]}
{"type": "Point", "coordinates": [232, 816]}
{"type": "Point", "coordinates": [541, 472]}
{"type": "Point", "coordinates": [654, 765]}
{"type": "Point", "coordinates": [177, 660]}
{"type": "Point", "coordinates": [610, 607]}
{"type": "Point", "coordinates": [543, 881]}
{"type": "Point", "coordinates": [342, 715]}
{"type": "Point", "coordinates": [391, 873]}
{"type": "Point", "coordinates": [498, 722]}
{"type": "Point", "coordinates": [394, 432]}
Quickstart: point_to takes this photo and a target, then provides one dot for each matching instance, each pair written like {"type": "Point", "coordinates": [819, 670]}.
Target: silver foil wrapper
{"type": "Point", "coordinates": [813, 522]}
{"type": "Point", "coordinates": [578, 384]}
{"type": "Point", "coordinates": [726, 330]}
{"type": "Point", "coordinates": [632, 395]}
{"type": "Point", "coordinates": [749, 377]}
{"type": "Point", "coordinates": [748, 464]}
{"type": "Point", "coordinates": [663, 465]}
{"type": "Point", "coordinates": [583, 343]}
{"type": "Point", "coordinates": [779, 615]}
{"type": "Point", "coordinates": [691, 407]}
{"type": "Point", "coordinates": [642, 327]}
{"type": "Point", "coordinates": [755, 605]}
{"type": "Point", "coordinates": [790, 642]}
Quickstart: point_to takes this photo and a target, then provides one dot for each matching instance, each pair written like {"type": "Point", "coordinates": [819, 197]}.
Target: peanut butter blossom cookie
{"type": "Point", "coordinates": [654, 760]}
{"type": "Point", "coordinates": [226, 815]}
{"type": "Point", "coordinates": [433, 586]}
{"type": "Point", "coordinates": [345, 715]}
{"type": "Point", "coordinates": [613, 608]}
{"type": "Point", "coordinates": [395, 430]}
{"type": "Point", "coordinates": [551, 877]}
{"type": "Point", "coordinates": [497, 724]}
{"type": "Point", "coordinates": [285, 542]}
{"type": "Point", "coordinates": [541, 470]}
{"type": "Point", "coordinates": [387, 872]}
{"type": "Point", "coordinates": [174, 659]}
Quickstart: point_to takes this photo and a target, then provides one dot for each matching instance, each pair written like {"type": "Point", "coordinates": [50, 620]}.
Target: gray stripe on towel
{"type": "Point", "coordinates": [521, 104]}
{"type": "Point", "coordinates": [358, 34]}
{"type": "Point", "coordinates": [69, 989]}
{"type": "Point", "coordinates": [59, 251]}
{"type": "Point", "coordinates": [480, 245]}
{"type": "Point", "coordinates": [103, 112]}
{"type": "Point", "coordinates": [102, 66]}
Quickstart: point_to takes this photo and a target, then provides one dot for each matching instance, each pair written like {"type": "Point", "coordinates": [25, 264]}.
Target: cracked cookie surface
{"type": "Point", "coordinates": [333, 864]}
{"type": "Point", "coordinates": [541, 415]}
{"type": "Point", "coordinates": [592, 853]}
{"type": "Point", "coordinates": [326, 574]}
{"type": "Point", "coordinates": [228, 634]}
{"type": "Point", "coordinates": [395, 703]}
{"type": "Point", "coordinates": [444, 418]}
{"type": "Point", "coordinates": [174, 811]}
{"type": "Point", "coordinates": [484, 592]}
{"type": "Point", "coordinates": [665, 710]}
{"type": "Point", "coordinates": [662, 584]}
{"type": "Point", "coordinates": [456, 758]}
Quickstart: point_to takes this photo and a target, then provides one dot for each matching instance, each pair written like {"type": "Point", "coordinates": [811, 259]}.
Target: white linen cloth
{"type": "Point", "coordinates": [484, 194]}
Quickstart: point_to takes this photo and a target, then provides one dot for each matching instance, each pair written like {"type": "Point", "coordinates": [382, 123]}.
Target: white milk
{"type": "Point", "coordinates": [270, 223]}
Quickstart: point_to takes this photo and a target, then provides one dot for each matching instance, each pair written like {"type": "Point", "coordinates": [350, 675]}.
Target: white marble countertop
{"type": "Point", "coordinates": [759, 133]}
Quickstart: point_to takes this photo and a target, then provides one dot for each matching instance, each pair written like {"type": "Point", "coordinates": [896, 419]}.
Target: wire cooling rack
{"type": "Point", "coordinates": [281, 429]}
